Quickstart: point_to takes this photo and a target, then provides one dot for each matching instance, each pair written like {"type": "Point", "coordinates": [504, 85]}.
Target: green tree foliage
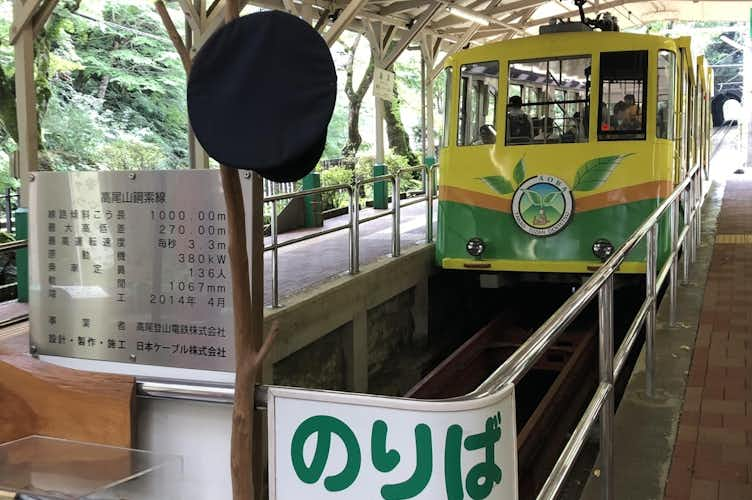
{"type": "Point", "coordinates": [720, 52]}
{"type": "Point", "coordinates": [129, 83]}
{"type": "Point", "coordinates": [111, 93]}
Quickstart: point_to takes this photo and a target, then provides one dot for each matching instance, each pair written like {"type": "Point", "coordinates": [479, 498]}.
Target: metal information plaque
{"type": "Point", "coordinates": [131, 267]}
{"type": "Point", "coordinates": [325, 445]}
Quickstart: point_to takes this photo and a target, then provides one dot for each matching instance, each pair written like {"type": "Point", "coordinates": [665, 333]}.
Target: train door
{"type": "Point", "coordinates": [699, 126]}
{"type": "Point", "coordinates": [682, 144]}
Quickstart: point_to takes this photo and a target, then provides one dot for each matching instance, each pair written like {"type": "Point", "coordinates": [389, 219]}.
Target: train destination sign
{"type": "Point", "coordinates": [131, 267]}
{"type": "Point", "coordinates": [325, 445]}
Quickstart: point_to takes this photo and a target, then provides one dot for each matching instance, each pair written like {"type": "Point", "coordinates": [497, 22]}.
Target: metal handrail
{"type": "Point", "coordinates": [8, 247]}
{"type": "Point", "coordinates": [533, 349]}
{"type": "Point", "coordinates": [353, 191]}
{"type": "Point", "coordinates": [689, 193]}
{"type": "Point", "coordinates": [13, 245]}
{"type": "Point", "coordinates": [601, 282]}
{"type": "Point", "coordinates": [530, 352]}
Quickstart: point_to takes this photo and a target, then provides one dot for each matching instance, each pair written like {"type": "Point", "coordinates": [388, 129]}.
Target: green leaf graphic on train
{"type": "Point", "coordinates": [501, 184]}
{"type": "Point", "coordinates": [519, 171]}
{"type": "Point", "coordinates": [591, 175]}
{"type": "Point", "coordinates": [594, 172]}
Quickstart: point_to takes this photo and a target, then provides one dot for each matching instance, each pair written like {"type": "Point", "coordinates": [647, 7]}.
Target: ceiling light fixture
{"type": "Point", "coordinates": [468, 14]}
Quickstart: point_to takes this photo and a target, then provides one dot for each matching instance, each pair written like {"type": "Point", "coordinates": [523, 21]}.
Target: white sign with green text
{"type": "Point", "coordinates": [325, 445]}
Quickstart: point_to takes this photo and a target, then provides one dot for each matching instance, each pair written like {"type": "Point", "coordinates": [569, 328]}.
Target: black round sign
{"type": "Point", "coordinates": [261, 93]}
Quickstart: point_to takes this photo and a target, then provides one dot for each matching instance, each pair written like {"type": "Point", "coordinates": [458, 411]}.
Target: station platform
{"type": "Point", "coordinates": [692, 439]}
{"type": "Point", "coordinates": [305, 264]}
{"type": "Point", "coordinates": [712, 458]}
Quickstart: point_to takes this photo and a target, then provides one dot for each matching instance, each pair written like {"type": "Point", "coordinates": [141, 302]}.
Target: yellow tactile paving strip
{"type": "Point", "coordinates": [734, 239]}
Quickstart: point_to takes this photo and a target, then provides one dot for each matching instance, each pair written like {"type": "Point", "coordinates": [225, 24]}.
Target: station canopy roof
{"type": "Point", "coordinates": [458, 20]}
{"type": "Point", "coordinates": [445, 26]}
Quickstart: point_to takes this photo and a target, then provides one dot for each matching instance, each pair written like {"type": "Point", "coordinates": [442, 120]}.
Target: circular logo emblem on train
{"type": "Point", "coordinates": [542, 205]}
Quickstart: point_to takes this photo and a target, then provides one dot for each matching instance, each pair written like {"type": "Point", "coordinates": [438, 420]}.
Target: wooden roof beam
{"type": "Point", "coordinates": [290, 7]}
{"type": "Point", "coordinates": [408, 37]}
{"type": "Point", "coordinates": [464, 40]}
{"type": "Point", "coordinates": [191, 15]}
{"type": "Point", "coordinates": [516, 6]}
{"type": "Point", "coordinates": [23, 13]}
{"type": "Point", "coordinates": [42, 15]}
{"type": "Point", "coordinates": [397, 7]}
{"type": "Point", "coordinates": [344, 19]}
{"type": "Point", "coordinates": [446, 19]}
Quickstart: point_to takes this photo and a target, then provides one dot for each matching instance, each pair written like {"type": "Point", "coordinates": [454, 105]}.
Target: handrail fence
{"type": "Point", "coordinates": [687, 196]}
{"type": "Point", "coordinates": [355, 220]}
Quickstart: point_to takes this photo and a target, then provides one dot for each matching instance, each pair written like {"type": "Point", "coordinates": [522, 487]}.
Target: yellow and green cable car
{"type": "Point", "coordinates": [556, 147]}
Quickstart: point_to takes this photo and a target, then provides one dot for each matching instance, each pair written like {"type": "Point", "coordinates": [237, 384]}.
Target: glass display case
{"type": "Point", "coordinates": [43, 468]}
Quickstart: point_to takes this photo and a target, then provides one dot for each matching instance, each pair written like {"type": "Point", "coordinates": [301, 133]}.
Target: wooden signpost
{"type": "Point", "coordinates": [240, 109]}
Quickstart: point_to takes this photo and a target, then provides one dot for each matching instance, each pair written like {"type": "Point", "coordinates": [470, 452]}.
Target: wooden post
{"type": "Point", "coordinates": [247, 445]}
{"type": "Point", "coordinates": [26, 106]}
{"type": "Point", "coordinates": [429, 61]}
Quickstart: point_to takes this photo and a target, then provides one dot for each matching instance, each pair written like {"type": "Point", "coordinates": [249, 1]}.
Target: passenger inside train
{"type": "Point", "coordinates": [553, 94]}
{"type": "Point", "coordinates": [519, 124]}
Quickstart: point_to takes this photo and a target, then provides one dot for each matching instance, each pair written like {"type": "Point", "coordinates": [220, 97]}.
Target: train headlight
{"type": "Point", "coordinates": [475, 247]}
{"type": "Point", "coordinates": [603, 249]}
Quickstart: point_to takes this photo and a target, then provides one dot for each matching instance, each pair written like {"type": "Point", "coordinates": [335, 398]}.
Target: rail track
{"type": "Point", "coordinates": [552, 396]}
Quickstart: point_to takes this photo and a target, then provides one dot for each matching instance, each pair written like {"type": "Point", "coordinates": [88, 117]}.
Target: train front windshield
{"type": "Point", "coordinates": [548, 100]}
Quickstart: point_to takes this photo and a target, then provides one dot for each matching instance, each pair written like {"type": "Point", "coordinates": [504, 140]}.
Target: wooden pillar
{"type": "Point", "coordinates": [374, 35]}
{"type": "Point", "coordinates": [199, 158]}
{"type": "Point", "coordinates": [379, 118]}
{"type": "Point", "coordinates": [26, 107]}
{"type": "Point", "coordinates": [429, 59]}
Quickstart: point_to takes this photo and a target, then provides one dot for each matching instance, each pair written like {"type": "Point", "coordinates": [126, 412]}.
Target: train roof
{"type": "Point", "coordinates": [586, 41]}
{"type": "Point", "coordinates": [572, 44]}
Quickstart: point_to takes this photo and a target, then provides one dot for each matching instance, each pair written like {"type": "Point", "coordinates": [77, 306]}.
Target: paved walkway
{"type": "Point", "coordinates": [309, 263]}
{"type": "Point", "coordinates": [713, 453]}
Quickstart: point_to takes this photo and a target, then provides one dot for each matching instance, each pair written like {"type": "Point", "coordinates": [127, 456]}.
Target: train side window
{"type": "Point", "coordinates": [447, 101]}
{"type": "Point", "coordinates": [548, 100]}
{"type": "Point", "coordinates": [479, 87]}
{"type": "Point", "coordinates": [664, 121]}
{"type": "Point", "coordinates": [622, 112]}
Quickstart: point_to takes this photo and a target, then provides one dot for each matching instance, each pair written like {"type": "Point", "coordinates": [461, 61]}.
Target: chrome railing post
{"type": "Point", "coordinates": [693, 218]}
{"type": "Point", "coordinates": [606, 368]}
{"type": "Point", "coordinates": [673, 270]}
{"type": "Point", "coordinates": [698, 207]}
{"type": "Point", "coordinates": [429, 204]}
{"type": "Point", "coordinates": [275, 257]}
{"type": "Point", "coordinates": [396, 214]}
{"type": "Point", "coordinates": [687, 236]}
{"type": "Point", "coordinates": [355, 227]}
{"type": "Point", "coordinates": [350, 226]}
{"type": "Point", "coordinates": [651, 274]}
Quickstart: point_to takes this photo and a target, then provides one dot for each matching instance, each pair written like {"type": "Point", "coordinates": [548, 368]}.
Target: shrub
{"type": "Point", "coordinates": [131, 153]}
{"type": "Point", "coordinates": [331, 177]}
